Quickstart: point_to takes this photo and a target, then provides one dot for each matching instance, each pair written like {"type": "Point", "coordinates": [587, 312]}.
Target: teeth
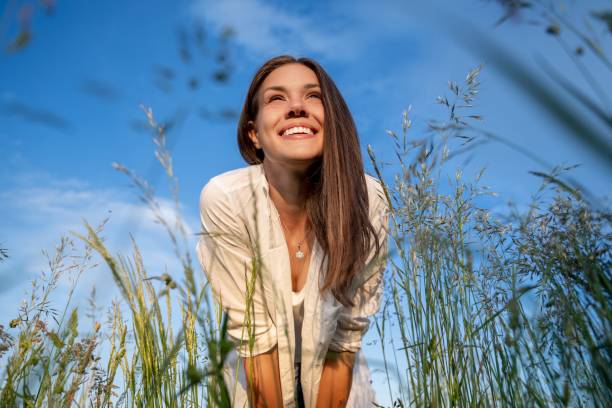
{"type": "Point", "coordinates": [297, 129]}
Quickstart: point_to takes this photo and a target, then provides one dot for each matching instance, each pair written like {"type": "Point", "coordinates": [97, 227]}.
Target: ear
{"type": "Point", "coordinates": [253, 134]}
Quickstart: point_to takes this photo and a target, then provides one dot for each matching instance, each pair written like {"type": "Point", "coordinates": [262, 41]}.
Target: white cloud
{"type": "Point", "coordinates": [344, 30]}
{"type": "Point", "coordinates": [266, 29]}
{"type": "Point", "coordinates": [35, 215]}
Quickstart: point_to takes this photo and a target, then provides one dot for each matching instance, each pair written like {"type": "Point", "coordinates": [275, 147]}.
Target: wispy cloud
{"type": "Point", "coordinates": [35, 215]}
{"type": "Point", "coordinates": [266, 29]}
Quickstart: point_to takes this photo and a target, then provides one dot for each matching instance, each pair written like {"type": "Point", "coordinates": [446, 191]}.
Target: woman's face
{"type": "Point", "coordinates": [289, 122]}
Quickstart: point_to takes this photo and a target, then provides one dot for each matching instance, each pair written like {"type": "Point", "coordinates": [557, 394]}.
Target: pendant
{"type": "Point", "coordinates": [299, 254]}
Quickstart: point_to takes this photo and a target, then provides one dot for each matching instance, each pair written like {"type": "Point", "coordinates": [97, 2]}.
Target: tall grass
{"type": "Point", "coordinates": [481, 309]}
{"type": "Point", "coordinates": [494, 310]}
{"type": "Point", "coordinates": [157, 367]}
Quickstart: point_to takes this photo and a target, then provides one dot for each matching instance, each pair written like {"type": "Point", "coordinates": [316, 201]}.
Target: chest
{"type": "Point", "coordinates": [299, 243]}
{"type": "Point", "coordinates": [300, 254]}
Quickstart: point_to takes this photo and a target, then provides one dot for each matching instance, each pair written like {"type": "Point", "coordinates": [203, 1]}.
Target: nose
{"type": "Point", "coordinates": [296, 109]}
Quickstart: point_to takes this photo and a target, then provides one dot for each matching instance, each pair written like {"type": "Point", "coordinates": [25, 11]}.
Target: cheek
{"type": "Point", "coordinates": [320, 113]}
{"type": "Point", "coordinates": [268, 119]}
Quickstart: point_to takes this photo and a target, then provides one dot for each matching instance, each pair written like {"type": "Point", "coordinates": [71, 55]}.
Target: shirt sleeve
{"type": "Point", "coordinates": [225, 253]}
{"type": "Point", "coordinates": [353, 322]}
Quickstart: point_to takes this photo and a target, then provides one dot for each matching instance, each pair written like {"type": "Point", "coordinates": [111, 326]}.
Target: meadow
{"type": "Point", "coordinates": [487, 309]}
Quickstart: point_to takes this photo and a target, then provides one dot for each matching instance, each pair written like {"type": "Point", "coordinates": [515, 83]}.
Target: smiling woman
{"type": "Point", "coordinates": [294, 244]}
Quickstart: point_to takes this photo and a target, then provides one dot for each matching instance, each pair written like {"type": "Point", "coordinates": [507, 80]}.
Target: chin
{"type": "Point", "coordinates": [307, 157]}
{"type": "Point", "coordinates": [303, 154]}
{"type": "Point", "coordinates": [299, 162]}
{"type": "Point", "coordinates": [303, 160]}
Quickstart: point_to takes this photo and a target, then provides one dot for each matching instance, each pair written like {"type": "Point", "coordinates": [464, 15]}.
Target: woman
{"type": "Point", "coordinates": [294, 244]}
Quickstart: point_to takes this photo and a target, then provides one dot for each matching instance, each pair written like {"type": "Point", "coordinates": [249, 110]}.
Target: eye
{"type": "Point", "coordinates": [315, 94]}
{"type": "Point", "coordinates": [275, 97]}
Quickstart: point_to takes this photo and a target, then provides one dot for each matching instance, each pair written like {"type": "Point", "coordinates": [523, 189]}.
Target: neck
{"type": "Point", "coordinates": [288, 191]}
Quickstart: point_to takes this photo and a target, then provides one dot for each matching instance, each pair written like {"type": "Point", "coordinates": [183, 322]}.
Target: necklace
{"type": "Point", "coordinates": [299, 253]}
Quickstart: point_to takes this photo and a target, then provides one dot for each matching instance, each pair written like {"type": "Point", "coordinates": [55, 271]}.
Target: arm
{"type": "Point", "coordinates": [336, 379]}
{"type": "Point", "coordinates": [263, 377]}
{"type": "Point", "coordinates": [226, 257]}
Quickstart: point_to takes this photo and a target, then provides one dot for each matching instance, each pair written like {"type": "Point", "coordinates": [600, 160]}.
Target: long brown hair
{"type": "Point", "coordinates": [337, 206]}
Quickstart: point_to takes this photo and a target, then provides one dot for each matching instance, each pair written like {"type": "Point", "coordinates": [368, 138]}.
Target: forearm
{"type": "Point", "coordinates": [336, 379]}
{"type": "Point", "coordinates": [263, 379]}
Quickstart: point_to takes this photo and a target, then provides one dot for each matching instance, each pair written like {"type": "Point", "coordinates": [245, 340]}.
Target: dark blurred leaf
{"type": "Point", "coordinates": [101, 90]}
{"type": "Point", "coordinates": [550, 178]}
{"type": "Point", "coordinates": [3, 254]}
{"type": "Point", "coordinates": [22, 39]}
{"type": "Point", "coordinates": [163, 86]}
{"type": "Point", "coordinates": [164, 72]}
{"type": "Point", "coordinates": [578, 126]}
{"type": "Point", "coordinates": [24, 17]}
{"type": "Point", "coordinates": [185, 55]}
{"type": "Point", "coordinates": [139, 125]}
{"type": "Point", "coordinates": [222, 57]}
{"type": "Point", "coordinates": [35, 115]}
{"type": "Point", "coordinates": [228, 114]}
{"type": "Point", "coordinates": [227, 32]}
{"type": "Point", "coordinates": [168, 125]}
{"type": "Point", "coordinates": [193, 83]}
{"type": "Point", "coordinates": [224, 115]}
{"type": "Point", "coordinates": [576, 93]}
{"type": "Point", "coordinates": [175, 121]}
{"type": "Point", "coordinates": [205, 113]}
{"type": "Point", "coordinates": [48, 6]}
{"type": "Point", "coordinates": [553, 29]}
{"type": "Point", "coordinates": [558, 12]}
{"type": "Point", "coordinates": [525, 152]}
{"type": "Point", "coordinates": [220, 75]}
{"type": "Point", "coordinates": [183, 46]}
{"type": "Point", "coordinates": [512, 7]}
{"type": "Point", "coordinates": [200, 37]}
{"type": "Point", "coordinates": [605, 16]}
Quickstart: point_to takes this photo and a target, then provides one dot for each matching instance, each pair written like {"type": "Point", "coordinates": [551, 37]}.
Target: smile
{"type": "Point", "coordinates": [298, 135]}
{"type": "Point", "coordinates": [298, 130]}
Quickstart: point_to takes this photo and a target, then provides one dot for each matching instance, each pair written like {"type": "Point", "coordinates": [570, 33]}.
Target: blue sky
{"type": "Point", "coordinates": [384, 57]}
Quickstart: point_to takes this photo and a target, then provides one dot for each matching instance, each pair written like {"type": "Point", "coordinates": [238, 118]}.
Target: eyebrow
{"type": "Point", "coordinates": [283, 89]}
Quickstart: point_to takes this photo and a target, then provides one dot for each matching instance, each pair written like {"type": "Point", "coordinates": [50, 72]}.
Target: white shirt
{"type": "Point", "coordinates": [239, 221]}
